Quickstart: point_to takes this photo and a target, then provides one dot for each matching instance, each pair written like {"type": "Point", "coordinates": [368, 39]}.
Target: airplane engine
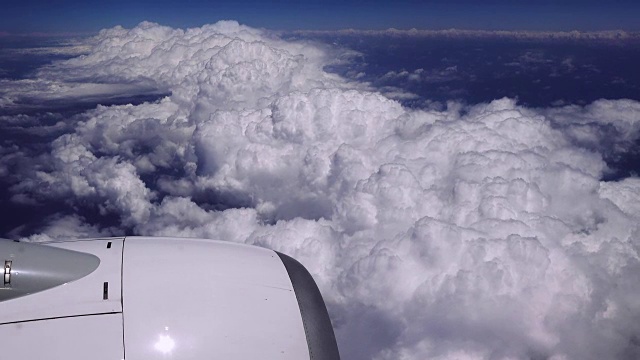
{"type": "Point", "coordinates": [139, 298]}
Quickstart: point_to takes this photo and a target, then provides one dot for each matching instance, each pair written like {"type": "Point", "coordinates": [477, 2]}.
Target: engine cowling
{"type": "Point", "coordinates": [144, 298]}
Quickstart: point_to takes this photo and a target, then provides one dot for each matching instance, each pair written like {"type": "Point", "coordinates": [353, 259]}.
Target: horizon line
{"type": "Point", "coordinates": [612, 34]}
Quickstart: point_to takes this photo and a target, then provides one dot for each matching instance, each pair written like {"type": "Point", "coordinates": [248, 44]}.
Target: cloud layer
{"type": "Point", "coordinates": [608, 35]}
{"type": "Point", "coordinates": [479, 232]}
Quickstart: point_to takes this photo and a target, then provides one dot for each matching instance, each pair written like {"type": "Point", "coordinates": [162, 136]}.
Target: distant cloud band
{"type": "Point", "coordinates": [619, 35]}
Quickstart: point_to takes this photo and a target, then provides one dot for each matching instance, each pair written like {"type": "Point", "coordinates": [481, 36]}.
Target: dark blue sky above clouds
{"type": "Point", "coordinates": [91, 15]}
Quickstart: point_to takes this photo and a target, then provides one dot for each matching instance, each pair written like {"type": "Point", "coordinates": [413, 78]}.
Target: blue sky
{"type": "Point", "coordinates": [91, 15]}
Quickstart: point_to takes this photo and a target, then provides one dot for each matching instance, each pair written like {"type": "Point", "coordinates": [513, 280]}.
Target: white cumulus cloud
{"type": "Point", "coordinates": [482, 232]}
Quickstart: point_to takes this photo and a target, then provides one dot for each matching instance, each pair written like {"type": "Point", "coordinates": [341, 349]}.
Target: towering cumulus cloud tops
{"type": "Point", "coordinates": [477, 232]}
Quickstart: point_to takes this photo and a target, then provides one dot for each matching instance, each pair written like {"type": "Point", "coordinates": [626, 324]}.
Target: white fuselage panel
{"type": "Point", "coordinates": [94, 337]}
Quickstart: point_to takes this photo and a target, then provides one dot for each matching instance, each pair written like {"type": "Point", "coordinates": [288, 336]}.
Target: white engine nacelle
{"type": "Point", "coordinates": [140, 298]}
